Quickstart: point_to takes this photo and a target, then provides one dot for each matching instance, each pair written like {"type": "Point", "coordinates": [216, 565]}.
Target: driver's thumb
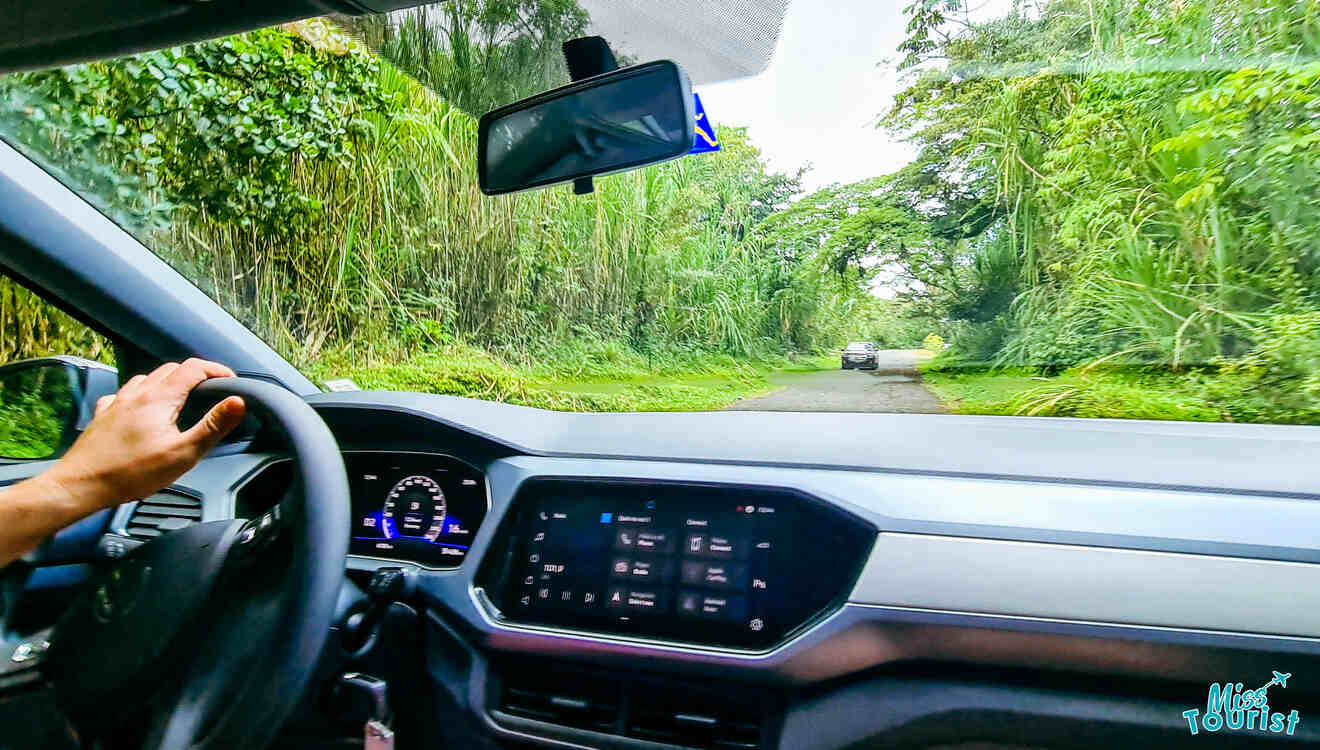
{"type": "Point", "coordinates": [218, 422]}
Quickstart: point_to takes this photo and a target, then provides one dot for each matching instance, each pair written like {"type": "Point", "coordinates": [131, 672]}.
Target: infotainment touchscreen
{"type": "Point", "coordinates": [733, 566]}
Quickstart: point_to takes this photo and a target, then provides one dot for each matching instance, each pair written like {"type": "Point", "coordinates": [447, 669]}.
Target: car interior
{"type": "Point", "coordinates": [378, 569]}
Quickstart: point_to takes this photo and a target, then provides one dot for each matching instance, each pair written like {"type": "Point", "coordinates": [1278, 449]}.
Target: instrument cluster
{"type": "Point", "coordinates": [419, 507]}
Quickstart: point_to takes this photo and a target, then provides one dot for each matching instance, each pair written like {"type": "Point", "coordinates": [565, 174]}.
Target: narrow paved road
{"type": "Point", "coordinates": [894, 387]}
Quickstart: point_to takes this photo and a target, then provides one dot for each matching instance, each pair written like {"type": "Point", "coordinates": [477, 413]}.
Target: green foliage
{"type": "Point", "coordinates": [29, 327]}
{"type": "Point", "coordinates": [1119, 182]}
{"type": "Point", "coordinates": [611, 378]}
{"type": "Point", "coordinates": [330, 202]}
{"type": "Point", "coordinates": [35, 404]}
{"type": "Point", "coordinates": [1117, 196]}
{"type": "Point", "coordinates": [844, 224]}
{"type": "Point", "coordinates": [1098, 393]}
{"type": "Point", "coordinates": [1278, 381]}
{"type": "Point", "coordinates": [29, 428]}
{"type": "Point", "coordinates": [888, 324]}
{"type": "Point", "coordinates": [218, 127]}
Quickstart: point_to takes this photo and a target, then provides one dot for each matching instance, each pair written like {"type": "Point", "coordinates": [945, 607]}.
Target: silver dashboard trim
{"type": "Point", "coordinates": [863, 636]}
{"type": "Point", "coordinates": [882, 623]}
{"type": "Point", "coordinates": [1019, 620]}
{"type": "Point", "coordinates": [1091, 584]}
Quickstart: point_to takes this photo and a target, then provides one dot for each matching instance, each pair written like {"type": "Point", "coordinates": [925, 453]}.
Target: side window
{"type": "Point", "coordinates": [52, 368]}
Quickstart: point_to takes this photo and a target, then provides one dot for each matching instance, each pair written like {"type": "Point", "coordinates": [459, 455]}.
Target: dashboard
{"type": "Point", "coordinates": [758, 580]}
{"type": "Point", "coordinates": [707, 564]}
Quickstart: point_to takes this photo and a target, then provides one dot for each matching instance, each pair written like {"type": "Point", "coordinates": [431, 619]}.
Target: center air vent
{"type": "Point", "coordinates": [162, 513]}
{"type": "Point", "coordinates": [687, 719]}
{"type": "Point", "coordinates": [674, 715]}
{"type": "Point", "coordinates": [580, 705]}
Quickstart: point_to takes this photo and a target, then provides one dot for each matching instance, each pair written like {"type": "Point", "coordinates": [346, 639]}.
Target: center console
{"type": "Point", "coordinates": [713, 565]}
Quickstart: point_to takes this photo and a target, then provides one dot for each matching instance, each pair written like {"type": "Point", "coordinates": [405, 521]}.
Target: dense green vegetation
{"type": "Point", "coordinates": [29, 327]}
{"type": "Point", "coordinates": [1113, 212]}
{"type": "Point", "coordinates": [1125, 183]}
{"type": "Point", "coordinates": [1076, 392]}
{"type": "Point", "coordinates": [35, 405]}
{"type": "Point", "coordinates": [588, 375]}
{"type": "Point", "coordinates": [330, 201]}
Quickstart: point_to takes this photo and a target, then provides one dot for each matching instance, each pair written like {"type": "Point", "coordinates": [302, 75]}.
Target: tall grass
{"type": "Point", "coordinates": [1157, 184]}
{"type": "Point", "coordinates": [410, 254]}
{"type": "Point", "coordinates": [394, 251]}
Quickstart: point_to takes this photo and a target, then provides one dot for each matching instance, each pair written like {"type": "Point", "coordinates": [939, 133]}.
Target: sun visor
{"type": "Point", "coordinates": [714, 40]}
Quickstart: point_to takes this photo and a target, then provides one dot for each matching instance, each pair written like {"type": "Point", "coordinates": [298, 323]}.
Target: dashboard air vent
{"type": "Point", "coordinates": [673, 714]}
{"type": "Point", "coordinates": [162, 513]}
{"type": "Point", "coordinates": [565, 704]}
{"type": "Point", "coordinates": [692, 721]}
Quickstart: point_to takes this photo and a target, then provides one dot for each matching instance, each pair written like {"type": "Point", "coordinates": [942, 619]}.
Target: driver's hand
{"type": "Point", "coordinates": [133, 447]}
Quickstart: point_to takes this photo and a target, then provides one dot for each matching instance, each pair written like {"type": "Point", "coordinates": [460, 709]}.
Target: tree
{"type": "Point", "coordinates": [215, 127]}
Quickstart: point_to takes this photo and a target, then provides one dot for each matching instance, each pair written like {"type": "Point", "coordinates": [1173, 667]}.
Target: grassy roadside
{"type": "Point", "coordinates": [1112, 394]}
{"type": "Point", "coordinates": [599, 377]}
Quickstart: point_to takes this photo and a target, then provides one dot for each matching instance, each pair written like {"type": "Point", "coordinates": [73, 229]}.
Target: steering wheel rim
{"type": "Point", "coordinates": [287, 568]}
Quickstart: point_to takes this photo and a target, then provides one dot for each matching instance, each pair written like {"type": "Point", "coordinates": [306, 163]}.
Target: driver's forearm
{"type": "Point", "coordinates": [34, 509]}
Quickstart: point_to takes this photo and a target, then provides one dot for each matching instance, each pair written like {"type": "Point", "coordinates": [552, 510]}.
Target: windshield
{"type": "Point", "coordinates": [1035, 207]}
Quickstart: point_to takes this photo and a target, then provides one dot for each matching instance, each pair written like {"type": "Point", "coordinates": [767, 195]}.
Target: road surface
{"type": "Point", "coordinates": [894, 387]}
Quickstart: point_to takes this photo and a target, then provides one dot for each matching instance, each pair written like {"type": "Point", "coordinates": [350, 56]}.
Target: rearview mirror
{"type": "Point", "coordinates": [45, 403]}
{"type": "Point", "coordinates": [613, 122]}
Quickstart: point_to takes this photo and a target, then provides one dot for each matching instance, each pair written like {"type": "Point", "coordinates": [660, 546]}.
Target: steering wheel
{"type": "Point", "coordinates": [207, 637]}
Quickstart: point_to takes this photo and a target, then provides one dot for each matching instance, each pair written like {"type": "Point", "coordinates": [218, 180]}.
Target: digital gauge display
{"type": "Point", "coordinates": [414, 508]}
{"type": "Point", "coordinates": [418, 507]}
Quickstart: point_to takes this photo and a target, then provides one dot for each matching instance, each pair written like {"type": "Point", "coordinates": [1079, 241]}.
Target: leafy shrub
{"type": "Point", "coordinates": [34, 406]}
{"type": "Point", "coordinates": [933, 343]}
{"type": "Point", "coordinates": [1278, 381]}
{"type": "Point", "coordinates": [975, 344]}
{"type": "Point", "coordinates": [1110, 395]}
{"type": "Point", "coordinates": [218, 127]}
{"type": "Point", "coordinates": [29, 428]}
{"type": "Point", "coordinates": [1053, 346]}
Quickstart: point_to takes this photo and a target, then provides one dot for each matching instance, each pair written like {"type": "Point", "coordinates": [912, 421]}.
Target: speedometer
{"type": "Point", "coordinates": [414, 507]}
{"type": "Point", "coordinates": [421, 508]}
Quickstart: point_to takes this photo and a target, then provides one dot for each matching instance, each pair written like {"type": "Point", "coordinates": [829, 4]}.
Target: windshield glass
{"type": "Point", "coordinates": [1033, 207]}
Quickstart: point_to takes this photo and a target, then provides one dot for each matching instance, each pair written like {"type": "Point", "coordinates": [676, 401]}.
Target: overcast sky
{"type": "Point", "coordinates": [831, 75]}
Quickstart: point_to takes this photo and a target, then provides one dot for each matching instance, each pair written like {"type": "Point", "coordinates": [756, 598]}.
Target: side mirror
{"type": "Point", "coordinates": [612, 122]}
{"type": "Point", "coordinates": [45, 403]}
